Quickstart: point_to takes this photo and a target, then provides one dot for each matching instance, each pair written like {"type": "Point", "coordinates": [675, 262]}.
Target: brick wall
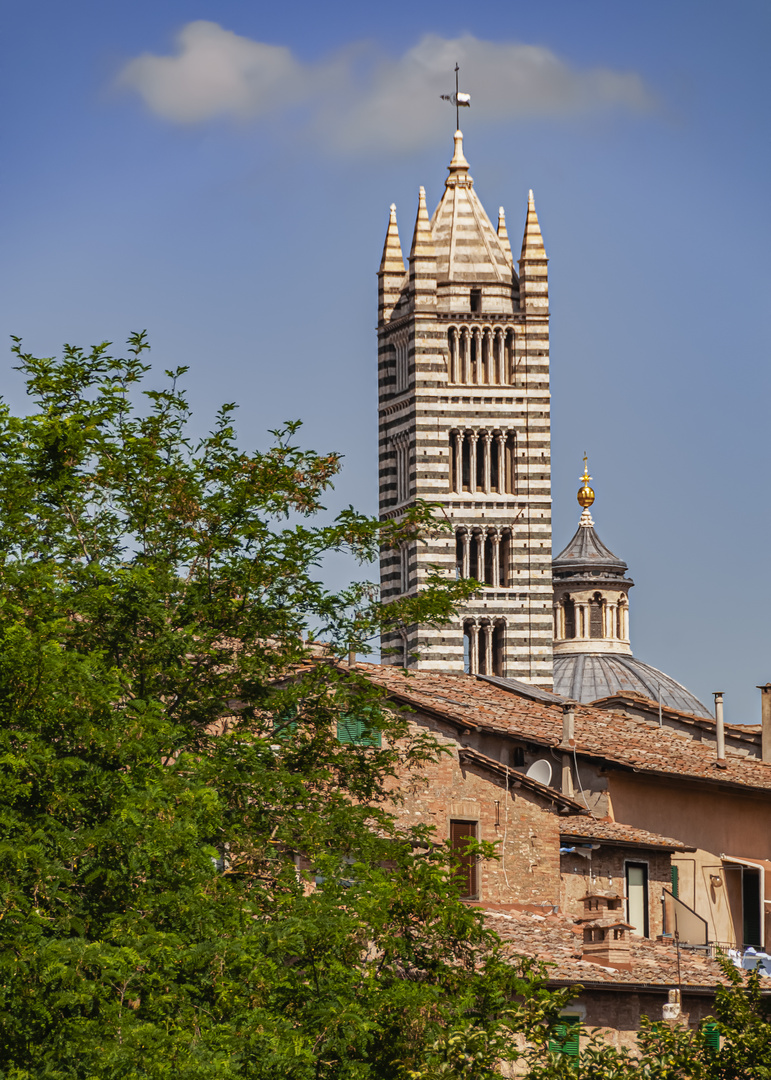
{"type": "Point", "coordinates": [526, 833]}
{"type": "Point", "coordinates": [606, 870]}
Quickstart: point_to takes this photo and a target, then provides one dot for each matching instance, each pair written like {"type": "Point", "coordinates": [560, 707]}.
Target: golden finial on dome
{"type": "Point", "coordinates": [585, 494]}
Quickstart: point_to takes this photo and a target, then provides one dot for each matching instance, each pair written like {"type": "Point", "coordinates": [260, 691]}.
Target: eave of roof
{"type": "Point", "coordinates": [517, 779]}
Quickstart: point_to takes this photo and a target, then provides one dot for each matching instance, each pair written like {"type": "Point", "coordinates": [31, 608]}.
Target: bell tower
{"type": "Point", "coordinates": [463, 386]}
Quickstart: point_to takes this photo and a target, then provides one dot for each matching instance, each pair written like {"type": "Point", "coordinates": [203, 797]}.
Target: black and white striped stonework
{"type": "Point", "coordinates": [463, 382]}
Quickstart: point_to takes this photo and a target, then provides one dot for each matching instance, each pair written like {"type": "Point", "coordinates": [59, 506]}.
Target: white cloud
{"type": "Point", "coordinates": [216, 72]}
{"type": "Point", "coordinates": [361, 101]}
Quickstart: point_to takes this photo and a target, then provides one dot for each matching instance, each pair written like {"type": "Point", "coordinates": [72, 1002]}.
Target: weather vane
{"type": "Point", "coordinates": [457, 99]}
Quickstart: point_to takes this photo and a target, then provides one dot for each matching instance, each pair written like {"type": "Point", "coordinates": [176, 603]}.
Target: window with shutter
{"type": "Point", "coordinates": [675, 881]}
{"type": "Point", "coordinates": [284, 722]}
{"type": "Point", "coordinates": [566, 1037]}
{"type": "Point", "coordinates": [355, 731]}
{"type": "Point", "coordinates": [712, 1035]}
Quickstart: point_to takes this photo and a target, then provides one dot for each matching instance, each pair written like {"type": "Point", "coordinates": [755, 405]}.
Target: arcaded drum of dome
{"type": "Point", "coordinates": [587, 676]}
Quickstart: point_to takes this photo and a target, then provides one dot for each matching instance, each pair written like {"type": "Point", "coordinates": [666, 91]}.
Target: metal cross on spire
{"type": "Point", "coordinates": [457, 99]}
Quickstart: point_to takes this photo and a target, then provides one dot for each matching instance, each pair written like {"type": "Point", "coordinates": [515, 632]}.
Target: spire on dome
{"type": "Point", "coordinates": [393, 260]}
{"type": "Point", "coordinates": [458, 167]}
{"type": "Point", "coordinates": [585, 497]}
{"type": "Point", "coordinates": [586, 551]}
{"type": "Point", "coordinates": [503, 235]}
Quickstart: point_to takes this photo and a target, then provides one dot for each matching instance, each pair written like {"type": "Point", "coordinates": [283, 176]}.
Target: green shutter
{"type": "Point", "coordinates": [354, 730]}
{"type": "Point", "coordinates": [711, 1035]}
{"type": "Point", "coordinates": [348, 729]}
{"type": "Point", "coordinates": [675, 880]}
{"type": "Point", "coordinates": [279, 721]}
{"type": "Point", "coordinates": [565, 1040]}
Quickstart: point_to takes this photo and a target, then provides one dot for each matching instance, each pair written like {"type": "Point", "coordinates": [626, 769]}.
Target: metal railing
{"type": "Point", "coordinates": [681, 920]}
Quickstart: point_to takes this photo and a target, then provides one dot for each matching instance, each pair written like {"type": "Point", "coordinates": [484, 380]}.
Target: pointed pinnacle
{"type": "Point", "coordinates": [393, 260]}
{"type": "Point", "coordinates": [503, 235]}
{"type": "Point", "coordinates": [532, 241]}
{"type": "Point", "coordinates": [422, 240]}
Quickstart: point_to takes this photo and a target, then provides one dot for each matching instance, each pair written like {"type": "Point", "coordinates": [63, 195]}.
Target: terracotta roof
{"type": "Point", "coordinates": [557, 940]}
{"type": "Point", "coordinates": [611, 737]}
{"type": "Point", "coordinates": [612, 832]}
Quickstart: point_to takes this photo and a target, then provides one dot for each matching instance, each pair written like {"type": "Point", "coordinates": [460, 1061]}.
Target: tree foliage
{"type": "Point", "coordinates": [197, 878]}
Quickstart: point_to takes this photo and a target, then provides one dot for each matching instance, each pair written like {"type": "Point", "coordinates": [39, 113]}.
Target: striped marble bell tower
{"type": "Point", "coordinates": [463, 377]}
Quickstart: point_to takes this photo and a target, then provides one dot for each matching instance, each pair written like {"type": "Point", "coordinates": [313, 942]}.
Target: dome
{"type": "Point", "coordinates": [586, 676]}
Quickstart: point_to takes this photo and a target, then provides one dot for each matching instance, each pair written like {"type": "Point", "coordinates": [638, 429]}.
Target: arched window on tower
{"type": "Point", "coordinates": [400, 348]}
{"type": "Point", "coordinates": [499, 643]}
{"type": "Point", "coordinates": [488, 570]}
{"type": "Point", "coordinates": [510, 458]}
{"type": "Point", "coordinates": [404, 568]}
{"type": "Point", "coordinates": [505, 559]}
{"type": "Point", "coordinates": [474, 355]}
{"type": "Point", "coordinates": [495, 464]}
{"type": "Point", "coordinates": [483, 649]}
{"type": "Point", "coordinates": [471, 635]}
{"type": "Point", "coordinates": [510, 359]}
{"type": "Point", "coordinates": [466, 464]}
{"type": "Point", "coordinates": [489, 648]}
{"type": "Point", "coordinates": [570, 617]}
{"type": "Point", "coordinates": [480, 484]}
{"type": "Point", "coordinates": [475, 570]}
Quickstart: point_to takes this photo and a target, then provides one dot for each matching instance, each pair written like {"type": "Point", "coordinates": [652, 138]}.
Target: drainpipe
{"type": "Point", "coordinates": [719, 728]}
{"type": "Point", "coordinates": [568, 744]}
{"type": "Point", "coordinates": [765, 714]}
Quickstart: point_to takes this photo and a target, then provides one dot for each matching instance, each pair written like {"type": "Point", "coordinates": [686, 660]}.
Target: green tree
{"type": "Point", "coordinates": [197, 878]}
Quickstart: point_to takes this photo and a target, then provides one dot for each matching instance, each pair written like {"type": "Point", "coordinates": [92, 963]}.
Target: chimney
{"type": "Point", "coordinates": [568, 744]}
{"type": "Point", "coordinates": [569, 723]}
{"type": "Point", "coordinates": [719, 728]}
{"type": "Point", "coordinates": [765, 715]}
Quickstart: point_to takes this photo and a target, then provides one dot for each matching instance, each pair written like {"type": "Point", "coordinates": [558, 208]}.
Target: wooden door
{"type": "Point", "coordinates": [466, 874]}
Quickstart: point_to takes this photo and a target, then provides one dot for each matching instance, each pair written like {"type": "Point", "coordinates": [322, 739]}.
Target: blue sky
{"type": "Point", "coordinates": [221, 175]}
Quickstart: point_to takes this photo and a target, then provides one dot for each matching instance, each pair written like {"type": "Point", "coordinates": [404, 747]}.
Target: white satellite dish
{"type": "Point", "coordinates": [540, 771]}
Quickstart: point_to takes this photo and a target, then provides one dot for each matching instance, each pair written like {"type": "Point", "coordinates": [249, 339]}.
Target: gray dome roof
{"type": "Point", "coordinates": [586, 553]}
{"type": "Point", "coordinates": [588, 676]}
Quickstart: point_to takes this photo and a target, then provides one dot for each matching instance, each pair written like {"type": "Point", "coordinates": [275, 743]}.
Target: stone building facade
{"type": "Point", "coordinates": [463, 363]}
